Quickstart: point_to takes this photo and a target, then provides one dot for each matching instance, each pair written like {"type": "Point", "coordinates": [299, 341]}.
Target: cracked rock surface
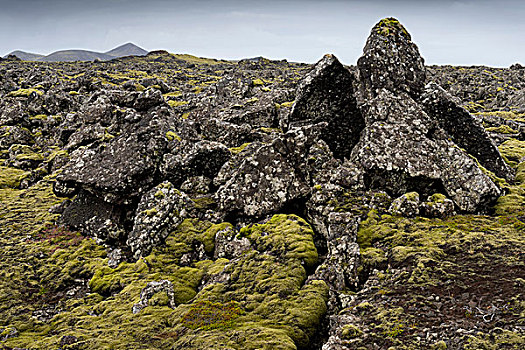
{"type": "Point", "coordinates": [176, 202]}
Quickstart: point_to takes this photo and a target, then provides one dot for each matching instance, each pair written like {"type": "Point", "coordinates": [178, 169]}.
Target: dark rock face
{"type": "Point", "coordinates": [121, 170]}
{"type": "Point", "coordinates": [391, 61]}
{"type": "Point", "coordinates": [464, 130]}
{"type": "Point", "coordinates": [327, 95]}
{"type": "Point", "coordinates": [262, 183]}
{"type": "Point", "coordinates": [402, 150]}
{"type": "Point", "coordinates": [94, 216]}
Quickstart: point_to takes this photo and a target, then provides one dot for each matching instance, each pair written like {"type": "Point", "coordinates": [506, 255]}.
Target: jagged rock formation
{"type": "Point", "coordinates": [258, 204]}
{"type": "Point", "coordinates": [327, 95]}
{"type": "Point", "coordinates": [391, 61]}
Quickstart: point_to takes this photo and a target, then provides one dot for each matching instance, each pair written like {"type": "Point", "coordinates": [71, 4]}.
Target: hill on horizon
{"type": "Point", "coordinates": [128, 49]}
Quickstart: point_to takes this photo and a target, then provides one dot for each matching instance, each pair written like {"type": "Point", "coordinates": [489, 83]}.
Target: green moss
{"type": "Point", "coordinates": [170, 136]}
{"type": "Point", "coordinates": [520, 117]}
{"type": "Point", "coordinates": [513, 203]}
{"type": "Point", "coordinates": [502, 129]}
{"type": "Point", "coordinates": [151, 212]}
{"type": "Point", "coordinates": [204, 202]}
{"type": "Point", "coordinates": [174, 104]}
{"type": "Point", "coordinates": [286, 235]}
{"type": "Point", "coordinates": [349, 331]}
{"type": "Point", "coordinates": [11, 177]}
{"type": "Point", "coordinates": [271, 130]}
{"type": "Point", "coordinates": [24, 92]}
{"type": "Point", "coordinates": [25, 152]}
{"type": "Point", "coordinates": [173, 94]}
{"type": "Point", "coordinates": [39, 117]}
{"type": "Point", "coordinates": [286, 104]}
{"type": "Point", "coordinates": [237, 150]}
{"type": "Point", "coordinates": [513, 151]}
{"type": "Point", "coordinates": [498, 339]}
{"type": "Point", "coordinates": [391, 26]}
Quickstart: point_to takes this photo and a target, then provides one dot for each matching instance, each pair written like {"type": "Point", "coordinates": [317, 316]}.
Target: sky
{"type": "Point", "coordinates": [458, 32]}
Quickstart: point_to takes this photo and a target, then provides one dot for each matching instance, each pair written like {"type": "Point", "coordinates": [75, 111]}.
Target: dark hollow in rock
{"type": "Point", "coordinates": [94, 216]}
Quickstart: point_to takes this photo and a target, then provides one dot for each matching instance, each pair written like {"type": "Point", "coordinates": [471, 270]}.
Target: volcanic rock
{"type": "Point", "coordinates": [160, 209]}
{"type": "Point", "coordinates": [402, 150]}
{"type": "Point", "coordinates": [391, 61]}
{"type": "Point", "coordinates": [327, 95]}
{"type": "Point", "coordinates": [464, 130]}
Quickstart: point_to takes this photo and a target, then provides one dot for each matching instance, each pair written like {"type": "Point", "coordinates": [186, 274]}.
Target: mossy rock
{"type": "Point", "coordinates": [11, 177]}
{"type": "Point", "coordinates": [286, 235]}
{"type": "Point", "coordinates": [24, 92]}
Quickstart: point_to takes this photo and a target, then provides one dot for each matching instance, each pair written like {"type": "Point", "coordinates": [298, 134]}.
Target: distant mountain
{"type": "Point", "coordinates": [75, 55]}
{"type": "Point", "coordinates": [25, 56]}
{"type": "Point", "coordinates": [128, 49]}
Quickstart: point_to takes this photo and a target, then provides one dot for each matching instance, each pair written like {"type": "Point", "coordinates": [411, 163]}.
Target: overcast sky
{"type": "Point", "coordinates": [459, 32]}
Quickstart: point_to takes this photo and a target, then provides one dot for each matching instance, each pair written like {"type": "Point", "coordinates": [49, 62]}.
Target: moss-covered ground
{"type": "Point", "coordinates": [454, 283]}
{"type": "Point", "coordinates": [56, 283]}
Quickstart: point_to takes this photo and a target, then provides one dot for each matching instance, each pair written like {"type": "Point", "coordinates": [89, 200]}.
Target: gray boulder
{"type": "Point", "coordinates": [326, 94]}
{"type": "Point", "coordinates": [391, 61]}
{"type": "Point", "coordinates": [464, 130]}
{"type": "Point", "coordinates": [160, 210]}
{"type": "Point", "coordinates": [403, 150]}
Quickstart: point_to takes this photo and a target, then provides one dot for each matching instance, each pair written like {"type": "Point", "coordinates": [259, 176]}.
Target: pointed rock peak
{"type": "Point", "coordinates": [391, 27]}
{"type": "Point", "coordinates": [326, 94]}
{"type": "Point", "coordinates": [391, 60]}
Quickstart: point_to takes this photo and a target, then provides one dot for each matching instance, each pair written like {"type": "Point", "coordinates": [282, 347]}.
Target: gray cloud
{"type": "Point", "coordinates": [447, 32]}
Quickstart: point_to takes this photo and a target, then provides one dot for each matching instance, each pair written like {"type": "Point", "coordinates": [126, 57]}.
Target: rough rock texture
{"type": "Point", "coordinates": [464, 130]}
{"type": "Point", "coordinates": [391, 61]}
{"type": "Point", "coordinates": [274, 201]}
{"type": "Point", "coordinates": [263, 182]}
{"type": "Point", "coordinates": [402, 150]}
{"type": "Point", "coordinates": [94, 216]}
{"type": "Point", "coordinates": [122, 169]}
{"type": "Point", "coordinates": [406, 205]}
{"type": "Point", "coordinates": [339, 269]}
{"type": "Point", "coordinates": [327, 95]}
{"type": "Point", "coordinates": [151, 289]}
{"type": "Point", "coordinates": [159, 210]}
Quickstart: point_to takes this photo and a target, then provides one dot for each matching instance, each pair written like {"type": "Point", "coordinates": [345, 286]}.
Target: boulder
{"type": "Point", "coordinates": [263, 183]}
{"type": "Point", "coordinates": [326, 94]}
{"type": "Point", "coordinates": [406, 205]}
{"type": "Point", "coordinates": [464, 130]}
{"type": "Point", "coordinates": [120, 170]}
{"type": "Point", "coordinates": [402, 150]}
{"type": "Point", "coordinates": [391, 61]}
{"type": "Point", "coordinates": [160, 210]}
{"type": "Point", "coordinates": [150, 290]}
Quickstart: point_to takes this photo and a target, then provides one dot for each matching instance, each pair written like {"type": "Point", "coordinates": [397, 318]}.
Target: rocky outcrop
{"type": "Point", "coordinates": [327, 95]}
{"type": "Point", "coordinates": [391, 61]}
{"type": "Point", "coordinates": [402, 150]}
{"type": "Point", "coordinates": [464, 130]}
